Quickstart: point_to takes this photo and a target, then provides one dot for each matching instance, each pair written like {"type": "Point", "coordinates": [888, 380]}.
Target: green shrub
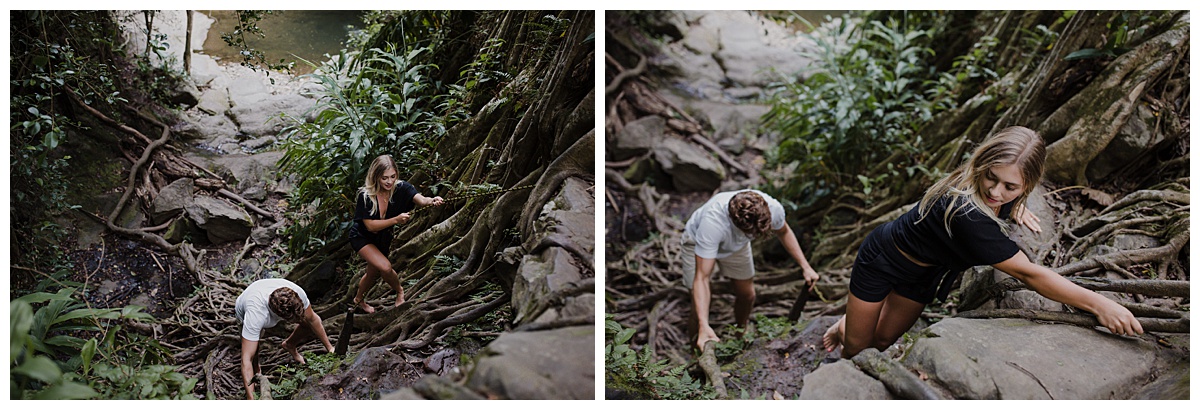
{"type": "Point", "coordinates": [51, 359]}
{"type": "Point", "coordinates": [641, 374]}
{"type": "Point", "coordinates": [863, 102]}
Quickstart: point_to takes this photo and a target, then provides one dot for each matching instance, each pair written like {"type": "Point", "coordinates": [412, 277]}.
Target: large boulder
{"type": "Point", "coordinates": [636, 138]}
{"type": "Point", "coordinates": [222, 221]}
{"type": "Point", "coordinates": [553, 364]}
{"type": "Point", "coordinates": [171, 200]}
{"type": "Point", "coordinates": [691, 167]}
{"type": "Point", "coordinates": [243, 171]}
{"type": "Point", "coordinates": [259, 112]}
{"type": "Point", "coordinates": [1020, 359]}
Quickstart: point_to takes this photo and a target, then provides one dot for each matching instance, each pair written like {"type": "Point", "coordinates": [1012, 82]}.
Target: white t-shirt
{"type": "Point", "coordinates": [715, 234]}
{"type": "Point", "coordinates": [253, 311]}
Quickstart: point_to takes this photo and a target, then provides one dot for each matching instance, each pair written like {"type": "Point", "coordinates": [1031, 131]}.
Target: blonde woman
{"type": "Point", "coordinates": [383, 202]}
{"type": "Point", "coordinates": [904, 264]}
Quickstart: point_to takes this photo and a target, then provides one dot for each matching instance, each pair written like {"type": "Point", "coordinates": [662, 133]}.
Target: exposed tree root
{"type": "Point", "coordinates": [895, 377]}
{"type": "Point", "coordinates": [1077, 319]}
{"type": "Point", "coordinates": [708, 362]}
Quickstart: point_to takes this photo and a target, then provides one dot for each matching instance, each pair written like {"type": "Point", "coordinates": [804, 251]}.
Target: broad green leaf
{"type": "Point", "coordinates": [67, 390]}
{"type": "Point", "coordinates": [39, 368]}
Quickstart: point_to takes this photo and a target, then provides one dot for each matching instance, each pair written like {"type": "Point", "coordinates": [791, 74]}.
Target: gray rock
{"type": "Point", "coordinates": [755, 50]}
{"type": "Point", "coordinates": [1028, 299]}
{"type": "Point", "coordinates": [841, 380]}
{"type": "Point", "coordinates": [258, 143]}
{"type": "Point", "coordinates": [171, 200]}
{"type": "Point", "coordinates": [222, 221]}
{"type": "Point", "coordinates": [263, 115]}
{"type": "Point", "coordinates": [1132, 140]}
{"type": "Point", "coordinates": [1019, 359]}
{"type": "Point", "coordinates": [538, 276]}
{"type": "Point", "coordinates": [375, 372]}
{"type": "Point", "coordinates": [210, 129]}
{"type": "Point", "coordinates": [701, 40]}
{"type": "Point", "coordinates": [255, 193]}
{"type": "Point", "coordinates": [183, 229]}
{"type": "Point", "coordinates": [243, 171]}
{"type": "Point", "coordinates": [263, 236]}
{"type": "Point", "coordinates": [691, 167]}
{"type": "Point", "coordinates": [185, 94]}
{"type": "Point", "coordinates": [556, 364]}
{"type": "Point", "coordinates": [637, 138]}
{"type": "Point", "coordinates": [570, 218]}
{"type": "Point", "coordinates": [214, 101]}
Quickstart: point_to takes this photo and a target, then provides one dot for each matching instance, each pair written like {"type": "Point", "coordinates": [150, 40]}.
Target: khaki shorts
{"type": "Point", "coordinates": [739, 265]}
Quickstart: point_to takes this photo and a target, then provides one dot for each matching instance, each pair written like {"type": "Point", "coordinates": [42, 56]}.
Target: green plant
{"type": "Point", "coordinates": [446, 264]}
{"type": "Point", "coordinates": [290, 379]}
{"type": "Point", "coordinates": [641, 374]}
{"type": "Point", "coordinates": [51, 358]}
{"type": "Point", "coordinates": [1124, 27]}
{"type": "Point", "coordinates": [77, 57]}
{"type": "Point", "coordinates": [863, 102]}
{"type": "Point", "coordinates": [373, 108]}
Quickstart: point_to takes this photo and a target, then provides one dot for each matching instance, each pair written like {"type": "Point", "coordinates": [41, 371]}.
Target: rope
{"type": "Point", "coordinates": [414, 212]}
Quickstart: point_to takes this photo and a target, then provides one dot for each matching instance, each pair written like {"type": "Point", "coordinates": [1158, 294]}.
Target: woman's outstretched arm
{"type": "Point", "coordinates": [1046, 282]}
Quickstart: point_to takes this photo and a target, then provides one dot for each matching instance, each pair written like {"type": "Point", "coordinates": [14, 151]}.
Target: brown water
{"type": "Point", "coordinates": [308, 34]}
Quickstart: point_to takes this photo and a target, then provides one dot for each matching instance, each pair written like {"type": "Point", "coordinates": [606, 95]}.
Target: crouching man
{"type": "Point", "coordinates": [262, 305]}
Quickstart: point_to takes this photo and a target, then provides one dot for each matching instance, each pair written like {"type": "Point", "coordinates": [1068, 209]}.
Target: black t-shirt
{"type": "Point", "coordinates": [974, 238]}
{"type": "Point", "coordinates": [400, 202]}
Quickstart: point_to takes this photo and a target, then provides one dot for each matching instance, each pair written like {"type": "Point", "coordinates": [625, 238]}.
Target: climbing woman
{"type": "Point", "coordinates": [383, 202]}
{"type": "Point", "coordinates": [903, 264]}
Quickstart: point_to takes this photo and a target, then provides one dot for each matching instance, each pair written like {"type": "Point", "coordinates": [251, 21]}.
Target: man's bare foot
{"type": "Point", "coordinates": [362, 304]}
{"type": "Point", "coordinates": [833, 336]}
{"type": "Point", "coordinates": [292, 349]}
{"type": "Point", "coordinates": [399, 297]}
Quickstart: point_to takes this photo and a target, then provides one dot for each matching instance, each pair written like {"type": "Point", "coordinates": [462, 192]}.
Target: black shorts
{"type": "Point", "coordinates": [358, 242]}
{"type": "Point", "coordinates": [880, 268]}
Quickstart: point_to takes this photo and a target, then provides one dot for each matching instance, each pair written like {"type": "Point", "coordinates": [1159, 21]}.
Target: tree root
{"type": "Point", "coordinates": [894, 376]}
{"type": "Point", "coordinates": [708, 362]}
{"type": "Point", "coordinates": [1077, 319]}
{"type": "Point", "coordinates": [1147, 287]}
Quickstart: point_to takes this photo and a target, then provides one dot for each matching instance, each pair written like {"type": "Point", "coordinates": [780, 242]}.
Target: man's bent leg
{"type": "Point", "coordinates": [743, 290]}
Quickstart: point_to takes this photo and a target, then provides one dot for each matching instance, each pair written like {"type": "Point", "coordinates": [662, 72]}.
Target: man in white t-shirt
{"type": "Point", "coordinates": [262, 305]}
{"type": "Point", "coordinates": [719, 234]}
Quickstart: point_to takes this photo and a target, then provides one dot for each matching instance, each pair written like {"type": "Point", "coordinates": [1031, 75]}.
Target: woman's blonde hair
{"type": "Point", "coordinates": [381, 164]}
{"type": "Point", "coordinates": [1018, 146]}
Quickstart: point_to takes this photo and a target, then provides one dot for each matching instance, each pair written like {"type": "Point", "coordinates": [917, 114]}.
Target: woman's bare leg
{"type": "Point", "coordinates": [382, 268]}
{"type": "Point", "coordinates": [369, 277]}
{"type": "Point", "coordinates": [897, 316]}
{"type": "Point", "coordinates": [861, 320]}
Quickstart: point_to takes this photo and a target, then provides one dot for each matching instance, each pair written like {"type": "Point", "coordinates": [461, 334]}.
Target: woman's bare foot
{"type": "Point", "coordinates": [833, 336]}
{"type": "Point", "coordinates": [292, 349]}
{"type": "Point", "coordinates": [399, 297]}
{"type": "Point", "coordinates": [362, 304]}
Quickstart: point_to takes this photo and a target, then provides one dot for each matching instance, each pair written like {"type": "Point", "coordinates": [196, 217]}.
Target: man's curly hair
{"type": "Point", "coordinates": [286, 303]}
{"type": "Point", "coordinates": [748, 211]}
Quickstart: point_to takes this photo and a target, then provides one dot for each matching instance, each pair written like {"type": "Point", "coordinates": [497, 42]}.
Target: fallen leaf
{"type": "Point", "coordinates": [776, 395]}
